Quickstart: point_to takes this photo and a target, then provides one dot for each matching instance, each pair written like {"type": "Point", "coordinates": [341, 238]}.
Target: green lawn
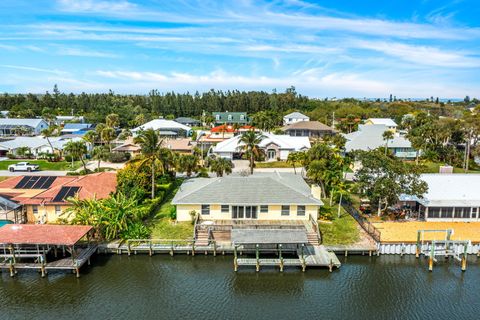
{"type": "Point", "coordinates": [162, 227]}
{"type": "Point", "coordinates": [434, 167]}
{"type": "Point", "coordinates": [341, 231]}
{"type": "Point", "coordinates": [44, 165]}
{"type": "Point", "coordinates": [274, 164]}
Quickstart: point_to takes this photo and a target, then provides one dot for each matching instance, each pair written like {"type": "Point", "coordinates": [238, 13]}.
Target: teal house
{"type": "Point", "coordinates": [230, 118]}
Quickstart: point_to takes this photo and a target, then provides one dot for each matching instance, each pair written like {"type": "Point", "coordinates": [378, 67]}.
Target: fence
{"type": "Point", "coordinates": [364, 223]}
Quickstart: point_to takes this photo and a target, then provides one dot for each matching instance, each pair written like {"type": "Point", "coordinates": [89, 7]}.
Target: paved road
{"type": "Point", "coordinates": [6, 173]}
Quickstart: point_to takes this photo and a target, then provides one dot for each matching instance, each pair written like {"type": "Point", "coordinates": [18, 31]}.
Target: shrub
{"type": "Point", "coordinates": [193, 215]}
{"type": "Point", "coordinates": [118, 157]}
{"type": "Point", "coordinates": [173, 213]}
{"type": "Point", "coordinates": [203, 173]}
{"type": "Point", "coordinates": [327, 212]}
{"type": "Point", "coordinates": [135, 230]}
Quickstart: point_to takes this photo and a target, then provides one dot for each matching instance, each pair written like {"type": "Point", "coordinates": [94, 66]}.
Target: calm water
{"type": "Point", "coordinates": [203, 287]}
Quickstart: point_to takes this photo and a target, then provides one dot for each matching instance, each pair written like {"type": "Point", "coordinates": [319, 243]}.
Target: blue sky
{"type": "Point", "coordinates": [368, 48]}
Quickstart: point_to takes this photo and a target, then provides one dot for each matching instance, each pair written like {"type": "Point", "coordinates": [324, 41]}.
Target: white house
{"type": "Point", "coordinates": [165, 128]}
{"type": "Point", "coordinates": [275, 146]}
{"type": "Point", "coordinates": [370, 137]}
{"type": "Point", "coordinates": [389, 123]}
{"type": "Point", "coordinates": [450, 197]}
{"type": "Point", "coordinates": [35, 145]}
{"type": "Point", "coordinates": [10, 126]}
{"type": "Point", "coordinates": [294, 117]}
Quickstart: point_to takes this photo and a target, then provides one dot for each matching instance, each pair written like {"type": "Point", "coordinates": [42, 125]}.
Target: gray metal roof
{"type": "Point", "coordinates": [369, 137]}
{"type": "Point", "coordinates": [257, 189]}
{"type": "Point", "coordinates": [7, 122]}
{"type": "Point", "coordinates": [264, 236]}
{"type": "Point", "coordinates": [296, 115]}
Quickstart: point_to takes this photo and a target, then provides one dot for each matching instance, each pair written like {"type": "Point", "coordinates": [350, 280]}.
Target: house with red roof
{"type": "Point", "coordinates": [43, 199]}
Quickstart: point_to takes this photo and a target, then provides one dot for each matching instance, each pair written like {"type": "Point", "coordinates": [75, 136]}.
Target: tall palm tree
{"type": "Point", "coordinates": [220, 166]}
{"type": "Point", "coordinates": [99, 153]}
{"type": "Point", "coordinates": [50, 132]}
{"type": "Point", "coordinates": [387, 136]}
{"type": "Point", "coordinates": [107, 135]}
{"type": "Point", "coordinates": [294, 158]}
{"type": "Point", "coordinates": [150, 144]}
{"type": "Point", "coordinates": [77, 149]}
{"type": "Point", "coordinates": [250, 144]}
{"type": "Point", "coordinates": [187, 163]}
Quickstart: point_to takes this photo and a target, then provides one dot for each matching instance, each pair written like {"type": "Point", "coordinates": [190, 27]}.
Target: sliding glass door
{"type": "Point", "coordinates": [244, 212]}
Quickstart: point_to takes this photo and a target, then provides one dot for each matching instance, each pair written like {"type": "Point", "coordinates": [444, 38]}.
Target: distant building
{"type": "Point", "coordinates": [311, 129]}
{"type": "Point", "coordinates": [230, 118]}
{"type": "Point", "coordinates": [35, 145]}
{"type": "Point", "coordinates": [389, 123]}
{"type": "Point", "coordinates": [166, 128]}
{"type": "Point", "coordinates": [59, 120]}
{"type": "Point", "coordinates": [275, 146]}
{"type": "Point", "coordinates": [450, 197]}
{"type": "Point", "coordinates": [76, 128]}
{"type": "Point", "coordinates": [14, 126]}
{"type": "Point", "coordinates": [294, 117]}
{"type": "Point", "coordinates": [370, 137]}
{"type": "Point", "coordinates": [43, 199]}
{"type": "Point", "coordinates": [189, 121]}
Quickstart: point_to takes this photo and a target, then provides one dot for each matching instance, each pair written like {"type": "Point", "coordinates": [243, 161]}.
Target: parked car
{"type": "Point", "coordinates": [23, 166]}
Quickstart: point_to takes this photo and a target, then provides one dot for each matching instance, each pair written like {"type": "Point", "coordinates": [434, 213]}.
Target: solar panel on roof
{"type": "Point", "coordinates": [48, 182]}
{"type": "Point", "coordinates": [22, 182]}
{"type": "Point", "coordinates": [39, 182]}
{"type": "Point", "coordinates": [64, 193]}
{"type": "Point", "coordinates": [30, 183]}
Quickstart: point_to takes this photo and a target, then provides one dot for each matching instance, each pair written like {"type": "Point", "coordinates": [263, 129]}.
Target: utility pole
{"type": "Point", "coordinates": [333, 120]}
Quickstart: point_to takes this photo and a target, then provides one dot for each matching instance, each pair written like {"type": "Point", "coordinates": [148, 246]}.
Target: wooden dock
{"type": "Point", "coordinates": [14, 262]}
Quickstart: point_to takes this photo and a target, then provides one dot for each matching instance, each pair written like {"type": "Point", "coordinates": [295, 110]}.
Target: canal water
{"type": "Point", "coordinates": [204, 287]}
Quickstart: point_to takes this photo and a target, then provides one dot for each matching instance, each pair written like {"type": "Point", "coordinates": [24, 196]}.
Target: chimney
{"type": "Point", "coordinates": [316, 191]}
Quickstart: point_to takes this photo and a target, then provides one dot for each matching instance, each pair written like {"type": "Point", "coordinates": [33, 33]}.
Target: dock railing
{"type": "Point", "coordinates": [316, 228]}
{"type": "Point", "coordinates": [364, 223]}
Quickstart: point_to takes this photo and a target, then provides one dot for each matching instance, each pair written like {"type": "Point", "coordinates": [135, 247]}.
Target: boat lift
{"type": "Point", "coordinates": [445, 247]}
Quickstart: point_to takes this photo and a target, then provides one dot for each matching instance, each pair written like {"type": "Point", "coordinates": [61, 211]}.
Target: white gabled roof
{"type": "Point", "coordinates": [35, 142]}
{"type": "Point", "coordinates": [449, 190]}
{"type": "Point", "coordinates": [385, 121]}
{"type": "Point", "coordinates": [296, 115]}
{"type": "Point", "coordinates": [284, 142]}
{"type": "Point", "coordinates": [20, 122]}
{"type": "Point", "coordinates": [370, 137]}
{"type": "Point", "coordinates": [162, 124]}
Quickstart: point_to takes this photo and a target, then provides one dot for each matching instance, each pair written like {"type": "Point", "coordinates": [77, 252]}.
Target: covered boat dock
{"type": "Point", "coordinates": [45, 247]}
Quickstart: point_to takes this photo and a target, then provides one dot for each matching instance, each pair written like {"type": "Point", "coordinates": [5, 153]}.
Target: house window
{"type": "Point", "coordinates": [230, 117]}
{"type": "Point", "coordinates": [205, 209]}
{"type": "Point", "coordinates": [242, 117]}
{"type": "Point", "coordinates": [264, 209]}
{"type": "Point", "coordinates": [35, 209]}
{"type": "Point", "coordinates": [434, 212]}
{"type": "Point", "coordinates": [285, 210]}
{"type": "Point", "coordinates": [300, 210]}
{"type": "Point", "coordinates": [447, 212]}
{"type": "Point", "coordinates": [225, 208]}
{"type": "Point", "coordinates": [217, 117]}
{"type": "Point", "coordinates": [58, 210]}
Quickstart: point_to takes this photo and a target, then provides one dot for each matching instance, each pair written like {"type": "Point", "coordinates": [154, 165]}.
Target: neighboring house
{"type": "Point", "coordinates": [389, 123]}
{"type": "Point", "coordinates": [166, 128]}
{"type": "Point", "coordinates": [77, 128]}
{"type": "Point", "coordinates": [12, 126]}
{"type": "Point", "coordinates": [370, 137]}
{"type": "Point", "coordinates": [294, 117]}
{"type": "Point", "coordinates": [189, 121]}
{"type": "Point", "coordinates": [59, 120]}
{"type": "Point", "coordinates": [230, 118]}
{"type": "Point", "coordinates": [43, 199]}
{"type": "Point", "coordinates": [450, 197]}
{"type": "Point", "coordinates": [311, 129]}
{"type": "Point", "coordinates": [275, 146]}
{"type": "Point", "coordinates": [207, 139]}
{"type": "Point", "coordinates": [183, 146]}
{"type": "Point", "coordinates": [36, 145]}
{"type": "Point", "coordinates": [264, 196]}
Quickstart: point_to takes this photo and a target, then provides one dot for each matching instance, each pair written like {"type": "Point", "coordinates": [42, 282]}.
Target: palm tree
{"type": "Point", "coordinates": [387, 136]}
{"type": "Point", "coordinates": [99, 153]}
{"type": "Point", "coordinates": [251, 141]}
{"type": "Point", "coordinates": [107, 135]}
{"type": "Point", "coordinates": [77, 149]}
{"type": "Point", "coordinates": [294, 158]}
{"type": "Point", "coordinates": [50, 132]}
{"type": "Point", "coordinates": [221, 166]}
{"type": "Point", "coordinates": [150, 144]}
{"type": "Point", "coordinates": [187, 163]}
{"type": "Point", "coordinates": [112, 120]}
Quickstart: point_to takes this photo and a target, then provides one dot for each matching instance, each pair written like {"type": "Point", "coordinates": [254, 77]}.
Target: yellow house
{"type": "Point", "coordinates": [44, 199]}
{"type": "Point", "coordinates": [389, 123]}
{"type": "Point", "coordinates": [259, 197]}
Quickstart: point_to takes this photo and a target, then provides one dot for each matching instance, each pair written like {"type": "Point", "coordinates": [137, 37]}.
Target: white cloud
{"type": "Point", "coordinates": [95, 6]}
{"type": "Point", "coordinates": [27, 68]}
{"type": "Point", "coordinates": [82, 52]}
